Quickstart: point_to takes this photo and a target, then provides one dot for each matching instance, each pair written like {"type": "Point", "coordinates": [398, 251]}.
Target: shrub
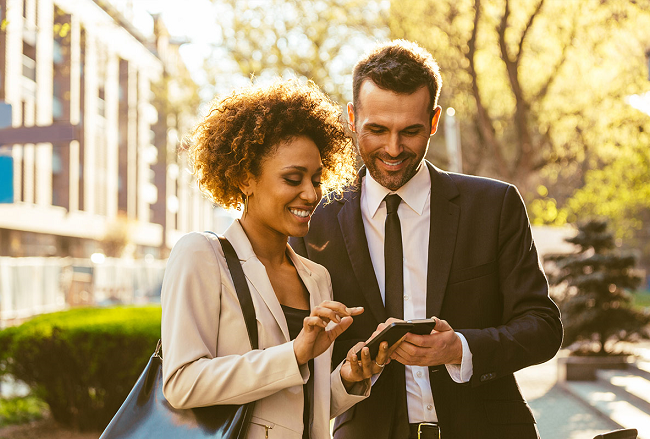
{"type": "Point", "coordinates": [21, 409]}
{"type": "Point", "coordinates": [595, 287]}
{"type": "Point", "coordinates": [82, 362]}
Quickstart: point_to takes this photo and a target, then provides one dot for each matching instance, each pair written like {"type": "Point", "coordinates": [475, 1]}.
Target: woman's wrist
{"type": "Point", "coordinates": [299, 358]}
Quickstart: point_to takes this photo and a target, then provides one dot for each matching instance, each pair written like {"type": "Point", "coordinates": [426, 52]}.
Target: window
{"type": "Point", "coordinates": [29, 61]}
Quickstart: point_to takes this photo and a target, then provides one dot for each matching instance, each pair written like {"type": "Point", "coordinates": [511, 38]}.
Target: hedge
{"type": "Point", "coordinates": [82, 362]}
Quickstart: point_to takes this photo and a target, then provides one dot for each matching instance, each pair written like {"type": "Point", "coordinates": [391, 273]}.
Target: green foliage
{"type": "Point", "coordinates": [642, 300]}
{"type": "Point", "coordinates": [19, 410]}
{"type": "Point", "coordinates": [81, 362]}
{"type": "Point", "coordinates": [594, 287]}
{"type": "Point", "coordinates": [619, 190]}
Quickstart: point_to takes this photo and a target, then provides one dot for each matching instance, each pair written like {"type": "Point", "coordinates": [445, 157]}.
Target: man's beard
{"type": "Point", "coordinates": [392, 180]}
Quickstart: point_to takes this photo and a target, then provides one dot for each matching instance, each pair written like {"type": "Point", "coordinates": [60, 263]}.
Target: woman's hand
{"type": "Point", "coordinates": [314, 338]}
{"type": "Point", "coordinates": [358, 369]}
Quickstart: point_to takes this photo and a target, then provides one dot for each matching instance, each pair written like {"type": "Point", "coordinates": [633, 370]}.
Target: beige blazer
{"type": "Point", "coordinates": [207, 354]}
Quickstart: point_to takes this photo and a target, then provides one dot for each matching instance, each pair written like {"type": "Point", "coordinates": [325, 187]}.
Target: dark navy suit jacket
{"type": "Point", "coordinates": [484, 278]}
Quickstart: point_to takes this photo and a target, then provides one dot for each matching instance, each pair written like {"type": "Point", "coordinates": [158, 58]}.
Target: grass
{"type": "Point", "coordinates": [20, 410]}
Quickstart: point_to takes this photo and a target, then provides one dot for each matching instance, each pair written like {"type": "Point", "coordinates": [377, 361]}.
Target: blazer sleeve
{"type": "Point", "coordinates": [341, 399]}
{"type": "Point", "coordinates": [193, 375]}
{"type": "Point", "coordinates": [531, 332]}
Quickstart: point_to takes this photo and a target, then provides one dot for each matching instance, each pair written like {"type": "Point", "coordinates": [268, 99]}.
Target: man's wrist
{"type": "Point", "coordinates": [458, 350]}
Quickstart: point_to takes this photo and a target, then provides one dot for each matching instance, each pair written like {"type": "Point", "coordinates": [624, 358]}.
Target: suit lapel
{"type": "Point", "coordinates": [356, 244]}
{"type": "Point", "coordinates": [442, 237]}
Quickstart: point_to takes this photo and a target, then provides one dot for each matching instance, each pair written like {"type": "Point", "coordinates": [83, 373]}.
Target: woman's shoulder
{"type": "Point", "coordinates": [195, 243]}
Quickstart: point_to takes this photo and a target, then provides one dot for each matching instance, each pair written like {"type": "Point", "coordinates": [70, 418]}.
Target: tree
{"type": "Point", "coordinates": [534, 82]}
{"type": "Point", "coordinates": [594, 287]}
{"type": "Point", "coordinates": [619, 190]}
{"type": "Point", "coordinates": [318, 40]}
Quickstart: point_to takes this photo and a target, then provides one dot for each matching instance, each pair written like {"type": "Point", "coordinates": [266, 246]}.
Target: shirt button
{"type": "Point", "coordinates": [419, 374]}
{"type": "Point", "coordinates": [406, 297]}
{"type": "Point", "coordinates": [429, 407]}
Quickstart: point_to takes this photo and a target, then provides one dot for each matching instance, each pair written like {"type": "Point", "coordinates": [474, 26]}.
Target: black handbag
{"type": "Point", "coordinates": [147, 414]}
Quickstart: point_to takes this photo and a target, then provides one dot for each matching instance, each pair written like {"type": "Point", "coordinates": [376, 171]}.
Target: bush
{"type": "Point", "coordinates": [82, 362]}
{"type": "Point", "coordinates": [21, 409]}
{"type": "Point", "coordinates": [595, 287]}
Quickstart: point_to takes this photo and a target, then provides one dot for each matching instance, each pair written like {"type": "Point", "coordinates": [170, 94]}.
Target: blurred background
{"type": "Point", "coordinates": [96, 96]}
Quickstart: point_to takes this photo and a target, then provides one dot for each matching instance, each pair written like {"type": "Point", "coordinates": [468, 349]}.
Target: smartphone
{"type": "Point", "coordinates": [422, 326]}
{"type": "Point", "coordinates": [395, 331]}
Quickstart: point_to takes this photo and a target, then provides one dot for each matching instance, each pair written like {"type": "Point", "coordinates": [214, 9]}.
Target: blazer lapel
{"type": "Point", "coordinates": [442, 237]}
{"type": "Point", "coordinates": [256, 274]}
{"type": "Point", "coordinates": [316, 296]}
{"type": "Point", "coordinates": [356, 244]}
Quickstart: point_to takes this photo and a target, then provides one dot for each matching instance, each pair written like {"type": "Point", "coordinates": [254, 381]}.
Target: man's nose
{"type": "Point", "coordinates": [394, 145]}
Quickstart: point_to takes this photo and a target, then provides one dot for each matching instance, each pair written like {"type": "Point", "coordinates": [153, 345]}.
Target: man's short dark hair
{"type": "Point", "coordinates": [401, 66]}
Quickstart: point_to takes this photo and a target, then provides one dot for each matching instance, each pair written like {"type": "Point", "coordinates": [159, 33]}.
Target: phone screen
{"type": "Point", "coordinates": [396, 331]}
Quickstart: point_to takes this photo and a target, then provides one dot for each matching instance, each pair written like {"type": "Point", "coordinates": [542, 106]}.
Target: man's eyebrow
{"type": "Point", "coordinates": [412, 127]}
{"type": "Point", "coordinates": [373, 125]}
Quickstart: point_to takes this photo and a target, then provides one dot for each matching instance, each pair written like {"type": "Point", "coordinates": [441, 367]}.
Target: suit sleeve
{"type": "Point", "coordinates": [531, 332]}
{"type": "Point", "coordinates": [193, 375]}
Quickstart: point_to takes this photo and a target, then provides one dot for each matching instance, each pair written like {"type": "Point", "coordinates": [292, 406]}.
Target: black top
{"type": "Point", "coordinates": [295, 318]}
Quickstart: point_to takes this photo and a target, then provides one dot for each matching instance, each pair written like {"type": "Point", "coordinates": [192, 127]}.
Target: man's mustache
{"type": "Point", "coordinates": [389, 158]}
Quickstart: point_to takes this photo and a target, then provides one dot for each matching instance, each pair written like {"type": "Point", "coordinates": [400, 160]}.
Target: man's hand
{"type": "Point", "coordinates": [442, 346]}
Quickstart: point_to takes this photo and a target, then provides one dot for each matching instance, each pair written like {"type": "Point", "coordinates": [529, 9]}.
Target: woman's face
{"type": "Point", "coordinates": [287, 190]}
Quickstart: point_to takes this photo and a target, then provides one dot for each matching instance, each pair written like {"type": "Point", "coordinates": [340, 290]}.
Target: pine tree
{"type": "Point", "coordinates": [596, 286]}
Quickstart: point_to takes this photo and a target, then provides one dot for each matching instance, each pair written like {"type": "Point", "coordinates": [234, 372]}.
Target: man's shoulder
{"type": "Point", "coordinates": [472, 185]}
{"type": "Point", "coordinates": [333, 204]}
{"type": "Point", "coordinates": [467, 179]}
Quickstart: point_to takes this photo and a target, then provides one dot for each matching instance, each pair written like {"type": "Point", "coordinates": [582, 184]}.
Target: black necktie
{"type": "Point", "coordinates": [393, 263]}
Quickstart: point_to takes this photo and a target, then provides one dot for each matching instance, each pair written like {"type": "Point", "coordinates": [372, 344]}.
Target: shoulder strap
{"type": "Point", "coordinates": [241, 286]}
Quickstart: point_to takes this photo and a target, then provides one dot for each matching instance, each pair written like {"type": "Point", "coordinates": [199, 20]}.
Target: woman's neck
{"type": "Point", "coordinates": [269, 246]}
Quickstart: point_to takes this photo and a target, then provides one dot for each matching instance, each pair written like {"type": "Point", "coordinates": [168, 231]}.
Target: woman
{"type": "Point", "coordinates": [274, 150]}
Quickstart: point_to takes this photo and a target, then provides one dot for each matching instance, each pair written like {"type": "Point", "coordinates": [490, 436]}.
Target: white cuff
{"type": "Point", "coordinates": [461, 373]}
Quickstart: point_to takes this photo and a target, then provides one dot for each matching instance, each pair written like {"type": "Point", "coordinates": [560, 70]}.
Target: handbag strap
{"type": "Point", "coordinates": [241, 286]}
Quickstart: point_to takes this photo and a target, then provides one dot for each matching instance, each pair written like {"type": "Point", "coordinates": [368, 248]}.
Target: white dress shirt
{"type": "Point", "coordinates": [414, 214]}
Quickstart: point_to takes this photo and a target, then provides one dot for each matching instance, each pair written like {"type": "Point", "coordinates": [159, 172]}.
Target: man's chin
{"type": "Point", "coordinates": [391, 180]}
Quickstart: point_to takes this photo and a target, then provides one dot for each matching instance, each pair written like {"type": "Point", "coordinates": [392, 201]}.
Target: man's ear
{"type": "Point", "coordinates": [435, 119]}
{"type": "Point", "coordinates": [351, 117]}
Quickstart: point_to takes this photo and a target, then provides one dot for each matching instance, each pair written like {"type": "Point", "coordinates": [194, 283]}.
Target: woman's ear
{"type": "Point", "coordinates": [246, 184]}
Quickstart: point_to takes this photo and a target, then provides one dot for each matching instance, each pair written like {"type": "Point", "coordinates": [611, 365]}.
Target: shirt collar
{"type": "Point", "coordinates": [414, 193]}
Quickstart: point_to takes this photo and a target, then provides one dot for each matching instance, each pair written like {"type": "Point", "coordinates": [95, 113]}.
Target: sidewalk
{"type": "Point", "coordinates": [559, 415]}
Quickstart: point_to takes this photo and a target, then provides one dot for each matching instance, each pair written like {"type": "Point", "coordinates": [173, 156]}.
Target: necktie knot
{"type": "Point", "coordinates": [392, 202]}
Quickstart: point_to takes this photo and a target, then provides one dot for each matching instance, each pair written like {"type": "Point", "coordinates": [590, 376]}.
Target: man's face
{"type": "Point", "coordinates": [392, 132]}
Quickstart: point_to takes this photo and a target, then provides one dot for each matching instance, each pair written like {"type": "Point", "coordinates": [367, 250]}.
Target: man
{"type": "Point", "coordinates": [467, 256]}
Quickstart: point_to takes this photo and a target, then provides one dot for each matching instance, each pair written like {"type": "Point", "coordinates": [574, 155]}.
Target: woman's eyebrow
{"type": "Point", "coordinates": [300, 168]}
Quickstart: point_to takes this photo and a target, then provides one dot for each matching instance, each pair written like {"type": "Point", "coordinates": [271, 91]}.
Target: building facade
{"type": "Point", "coordinates": [119, 182]}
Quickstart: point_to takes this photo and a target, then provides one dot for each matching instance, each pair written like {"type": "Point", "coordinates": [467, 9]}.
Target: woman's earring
{"type": "Point", "coordinates": [245, 204]}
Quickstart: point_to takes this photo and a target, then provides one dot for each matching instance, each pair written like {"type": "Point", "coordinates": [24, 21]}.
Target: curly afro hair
{"type": "Point", "coordinates": [245, 127]}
